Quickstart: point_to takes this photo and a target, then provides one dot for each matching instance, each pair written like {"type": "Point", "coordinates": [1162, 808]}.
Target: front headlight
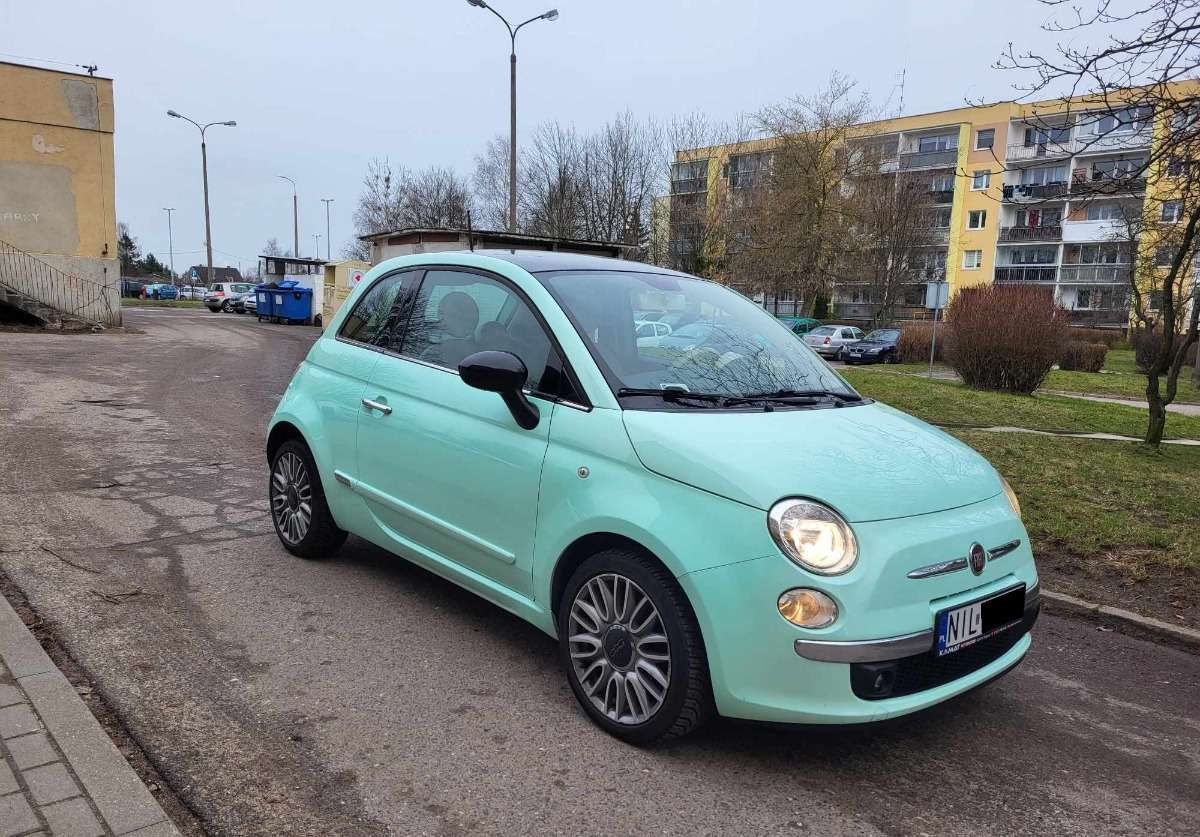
{"type": "Point", "coordinates": [813, 535]}
{"type": "Point", "coordinates": [1012, 497]}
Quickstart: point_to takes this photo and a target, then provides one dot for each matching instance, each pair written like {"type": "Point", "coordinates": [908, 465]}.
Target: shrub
{"type": "Point", "coordinates": [1111, 337]}
{"type": "Point", "coordinates": [915, 338]}
{"type": "Point", "coordinates": [1145, 345]}
{"type": "Point", "coordinates": [1005, 337]}
{"type": "Point", "coordinates": [1083, 357]}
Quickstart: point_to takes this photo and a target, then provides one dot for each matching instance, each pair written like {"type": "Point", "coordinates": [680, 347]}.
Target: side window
{"type": "Point", "coordinates": [374, 319]}
{"type": "Point", "coordinates": [457, 314]}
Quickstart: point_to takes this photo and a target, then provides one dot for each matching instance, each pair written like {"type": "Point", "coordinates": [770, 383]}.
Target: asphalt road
{"type": "Point", "coordinates": [361, 695]}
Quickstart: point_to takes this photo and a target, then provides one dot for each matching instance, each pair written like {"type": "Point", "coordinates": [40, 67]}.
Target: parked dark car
{"type": "Point", "coordinates": [877, 347]}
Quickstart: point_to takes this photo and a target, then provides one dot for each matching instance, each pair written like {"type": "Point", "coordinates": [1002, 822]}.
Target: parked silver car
{"type": "Point", "coordinates": [223, 295]}
{"type": "Point", "coordinates": [830, 340]}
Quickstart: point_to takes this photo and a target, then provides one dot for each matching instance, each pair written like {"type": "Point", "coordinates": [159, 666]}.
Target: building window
{"type": "Point", "coordinates": [972, 259]}
{"type": "Point", "coordinates": [1033, 255]}
{"type": "Point", "coordinates": [744, 169]}
{"type": "Point", "coordinates": [1039, 217]}
{"type": "Point", "coordinates": [944, 142]}
{"type": "Point", "coordinates": [1177, 167]}
{"type": "Point", "coordinates": [976, 219]}
{"type": "Point", "coordinates": [691, 176]}
{"type": "Point", "coordinates": [1105, 212]}
{"type": "Point", "coordinates": [1094, 254]}
{"type": "Point", "coordinates": [942, 183]}
{"type": "Point", "coordinates": [1172, 211]}
{"type": "Point", "coordinates": [1042, 136]}
{"type": "Point", "coordinates": [1044, 175]}
{"type": "Point", "coordinates": [980, 180]}
{"type": "Point", "coordinates": [1123, 168]}
{"type": "Point", "coordinates": [1163, 256]}
{"type": "Point", "coordinates": [984, 138]}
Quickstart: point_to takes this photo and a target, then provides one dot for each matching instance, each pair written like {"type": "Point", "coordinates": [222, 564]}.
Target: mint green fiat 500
{"type": "Point", "coordinates": [709, 522]}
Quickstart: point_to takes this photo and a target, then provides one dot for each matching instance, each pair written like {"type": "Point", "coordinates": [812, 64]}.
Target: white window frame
{"type": "Point", "coordinates": [975, 180]}
{"type": "Point", "coordinates": [981, 215]}
{"type": "Point", "coordinates": [1173, 216]}
{"type": "Point", "coordinates": [991, 131]}
{"type": "Point", "coordinates": [978, 259]}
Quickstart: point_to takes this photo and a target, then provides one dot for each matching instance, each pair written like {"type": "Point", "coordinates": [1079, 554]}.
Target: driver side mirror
{"type": "Point", "coordinates": [504, 374]}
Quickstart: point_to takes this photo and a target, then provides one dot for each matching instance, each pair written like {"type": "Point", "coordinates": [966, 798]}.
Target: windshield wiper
{"type": "Point", "coordinates": [673, 394]}
{"type": "Point", "coordinates": [799, 396]}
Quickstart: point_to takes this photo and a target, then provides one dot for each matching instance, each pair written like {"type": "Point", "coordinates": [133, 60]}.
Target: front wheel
{"type": "Point", "coordinates": [632, 649]}
{"type": "Point", "coordinates": [302, 518]}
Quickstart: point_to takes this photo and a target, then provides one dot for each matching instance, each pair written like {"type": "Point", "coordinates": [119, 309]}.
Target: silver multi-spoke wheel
{"type": "Point", "coordinates": [619, 649]}
{"type": "Point", "coordinates": [291, 497]}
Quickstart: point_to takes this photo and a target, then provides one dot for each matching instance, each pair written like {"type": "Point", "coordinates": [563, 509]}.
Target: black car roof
{"type": "Point", "coordinates": [541, 261]}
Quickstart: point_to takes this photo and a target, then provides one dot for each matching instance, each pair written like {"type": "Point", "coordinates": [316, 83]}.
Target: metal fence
{"type": "Point", "coordinates": [39, 285]}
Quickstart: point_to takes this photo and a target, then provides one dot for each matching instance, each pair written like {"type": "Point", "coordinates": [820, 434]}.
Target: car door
{"type": "Point", "coordinates": [448, 475]}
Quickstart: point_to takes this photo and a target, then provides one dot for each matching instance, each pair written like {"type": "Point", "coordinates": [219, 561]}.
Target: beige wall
{"type": "Point", "coordinates": [57, 182]}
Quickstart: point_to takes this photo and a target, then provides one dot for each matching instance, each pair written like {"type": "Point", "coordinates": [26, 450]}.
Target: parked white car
{"type": "Point", "coordinates": [649, 332]}
{"type": "Point", "coordinates": [829, 340]}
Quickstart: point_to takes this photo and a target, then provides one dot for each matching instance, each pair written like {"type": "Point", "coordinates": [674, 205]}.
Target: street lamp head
{"type": "Point", "coordinates": [230, 123]}
{"type": "Point", "coordinates": [479, 4]}
{"type": "Point", "coordinates": [551, 15]}
{"type": "Point", "coordinates": [173, 113]}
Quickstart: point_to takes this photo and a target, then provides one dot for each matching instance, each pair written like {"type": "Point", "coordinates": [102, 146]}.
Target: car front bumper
{"type": "Point", "coordinates": [766, 669]}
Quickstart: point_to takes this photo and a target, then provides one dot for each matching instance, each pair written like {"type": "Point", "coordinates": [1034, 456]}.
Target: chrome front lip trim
{"type": "Point", "coordinates": [866, 651]}
{"type": "Point", "coordinates": [883, 650]}
{"type": "Point", "coordinates": [955, 564]}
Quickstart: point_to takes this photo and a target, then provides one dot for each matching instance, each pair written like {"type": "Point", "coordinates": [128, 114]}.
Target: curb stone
{"type": "Point", "coordinates": [122, 800]}
{"type": "Point", "coordinates": [1144, 626]}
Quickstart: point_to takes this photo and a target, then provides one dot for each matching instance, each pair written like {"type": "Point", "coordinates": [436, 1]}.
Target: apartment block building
{"type": "Point", "coordinates": [1017, 193]}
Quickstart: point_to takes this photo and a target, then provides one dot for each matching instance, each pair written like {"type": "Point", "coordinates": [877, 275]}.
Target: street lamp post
{"type": "Point", "coordinates": [295, 216]}
{"type": "Point", "coordinates": [204, 169]}
{"type": "Point", "coordinates": [327, 201]}
{"type": "Point", "coordinates": [170, 240]}
{"type": "Point", "coordinates": [316, 245]}
{"type": "Point", "coordinates": [512, 104]}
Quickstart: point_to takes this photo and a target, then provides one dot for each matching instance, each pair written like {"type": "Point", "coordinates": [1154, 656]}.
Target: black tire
{"type": "Point", "coordinates": [225, 309]}
{"type": "Point", "coordinates": [688, 702]}
{"type": "Point", "coordinates": [322, 538]}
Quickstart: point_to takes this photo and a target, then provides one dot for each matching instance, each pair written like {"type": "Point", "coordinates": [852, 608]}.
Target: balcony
{"type": "Point", "coordinates": [1111, 229]}
{"type": "Point", "coordinates": [1038, 151]}
{"type": "Point", "coordinates": [935, 236]}
{"type": "Point", "coordinates": [690, 186]}
{"type": "Point", "coordinates": [1034, 191]}
{"type": "Point", "coordinates": [929, 160]}
{"type": "Point", "coordinates": [941, 196]}
{"type": "Point", "coordinates": [1045, 232]}
{"type": "Point", "coordinates": [1081, 184]}
{"type": "Point", "coordinates": [1100, 317]}
{"type": "Point", "coordinates": [1113, 141]}
{"type": "Point", "coordinates": [1095, 274]}
{"type": "Point", "coordinates": [1026, 274]}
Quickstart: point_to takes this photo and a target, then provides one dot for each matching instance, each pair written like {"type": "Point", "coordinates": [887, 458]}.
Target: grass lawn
{"type": "Point", "coordinates": [1120, 379]}
{"type": "Point", "coordinates": [1094, 497]}
{"type": "Point", "coordinates": [951, 403]}
{"type": "Point", "coordinates": [137, 302]}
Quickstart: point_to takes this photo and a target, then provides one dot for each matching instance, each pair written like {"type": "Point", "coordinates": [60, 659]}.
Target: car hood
{"type": "Point", "coordinates": [869, 462]}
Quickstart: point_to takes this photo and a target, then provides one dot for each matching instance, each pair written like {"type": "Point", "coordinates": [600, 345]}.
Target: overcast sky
{"type": "Point", "coordinates": [318, 88]}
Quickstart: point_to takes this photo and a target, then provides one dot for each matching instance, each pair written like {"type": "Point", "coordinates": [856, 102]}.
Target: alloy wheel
{"type": "Point", "coordinates": [291, 497]}
{"type": "Point", "coordinates": [619, 649]}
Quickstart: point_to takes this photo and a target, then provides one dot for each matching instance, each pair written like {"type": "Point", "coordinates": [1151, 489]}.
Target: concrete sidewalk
{"type": "Point", "coordinates": [60, 773]}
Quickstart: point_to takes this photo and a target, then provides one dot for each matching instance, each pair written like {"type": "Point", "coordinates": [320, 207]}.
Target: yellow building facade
{"type": "Point", "coordinates": [57, 180]}
{"type": "Point", "coordinates": [1018, 193]}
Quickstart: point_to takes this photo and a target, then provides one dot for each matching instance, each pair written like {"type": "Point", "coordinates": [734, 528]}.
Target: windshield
{"type": "Point", "coordinates": [241, 289]}
{"type": "Point", "coordinates": [720, 343]}
{"type": "Point", "coordinates": [883, 335]}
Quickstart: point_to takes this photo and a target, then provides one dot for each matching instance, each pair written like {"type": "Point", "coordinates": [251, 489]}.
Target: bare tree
{"type": "Point", "coordinates": [490, 184]}
{"type": "Point", "coordinates": [619, 178]}
{"type": "Point", "coordinates": [888, 236]}
{"type": "Point", "coordinates": [379, 205]}
{"type": "Point", "coordinates": [1133, 84]}
{"type": "Point", "coordinates": [792, 231]}
{"type": "Point", "coordinates": [551, 196]}
{"type": "Point", "coordinates": [272, 248]}
{"type": "Point", "coordinates": [698, 208]}
{"type": "Point", "coordinates": [434, 197]}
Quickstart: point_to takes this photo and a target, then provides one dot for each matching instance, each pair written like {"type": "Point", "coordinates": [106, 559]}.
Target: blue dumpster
{"type": "Point", "coordinates": [291, 303]}
{"type": "Point", "coordinates": [265, 300]}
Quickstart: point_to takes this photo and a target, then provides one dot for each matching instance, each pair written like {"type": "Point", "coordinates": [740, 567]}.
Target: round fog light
{"type": "Point", "coordinates": [807, 608]}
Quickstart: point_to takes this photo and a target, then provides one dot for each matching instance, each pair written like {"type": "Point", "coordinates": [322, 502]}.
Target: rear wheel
{"type": "Point", "coordinates": [632, 649]}
{"type": "Point", "coordinates": [302, 518]}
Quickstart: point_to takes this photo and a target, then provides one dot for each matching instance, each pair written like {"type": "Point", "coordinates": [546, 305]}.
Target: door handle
{"type": "Point", "coordinates": [375, 405]}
